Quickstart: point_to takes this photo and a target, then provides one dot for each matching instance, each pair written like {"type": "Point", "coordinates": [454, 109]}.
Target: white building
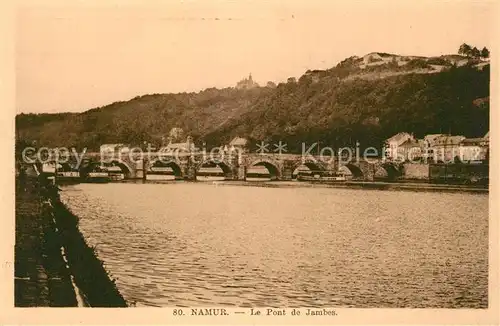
{"type": "Point", "coordinates": [393, 144]}
{"type": "Point", "coordinates": [111, 148]}
{"type": "Point", "coordinates": [474, 149]}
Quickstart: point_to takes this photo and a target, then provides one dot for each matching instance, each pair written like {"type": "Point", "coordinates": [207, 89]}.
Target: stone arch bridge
{"type": "Point", "coordinates": [186, 166]}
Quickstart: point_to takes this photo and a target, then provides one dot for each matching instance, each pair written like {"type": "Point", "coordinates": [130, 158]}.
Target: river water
{"type": "Point", "coordinates": [195, 244]}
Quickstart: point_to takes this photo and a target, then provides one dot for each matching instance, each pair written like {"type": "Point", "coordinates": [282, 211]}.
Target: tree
{"type": "Point", "coordinates": [485, 53]}
{"type": "Point", "coordinates": [475, 53]}
{"type": "Point", "coordinates": [270, 84]}
{"type": "Point", "coordinates": [176, 135]}
{"type": "Point", "coordinates": [465, 49]}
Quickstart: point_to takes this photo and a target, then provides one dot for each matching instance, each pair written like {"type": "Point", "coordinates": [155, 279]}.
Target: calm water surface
{"type": "Point", "coordinates": [204, 245]}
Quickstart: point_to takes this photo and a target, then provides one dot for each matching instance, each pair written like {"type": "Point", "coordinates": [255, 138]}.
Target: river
{"type": "Point", "coordinates": [195, 244]}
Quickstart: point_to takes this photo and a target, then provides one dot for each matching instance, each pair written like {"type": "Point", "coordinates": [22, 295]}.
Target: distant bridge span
{"type": "Point", "coordinates": [186, 166]}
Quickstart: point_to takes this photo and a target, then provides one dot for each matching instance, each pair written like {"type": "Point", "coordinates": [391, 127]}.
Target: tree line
{"type": "Point", "coordinates": [473, 52]}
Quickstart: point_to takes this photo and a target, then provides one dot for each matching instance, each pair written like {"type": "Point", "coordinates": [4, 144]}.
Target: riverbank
{"type": "Point", "coordinates": [41, 278]}
{"type": "Point", "coordinates": [374, 185]}
{"type": "Point", "coordinates": [54, 266]}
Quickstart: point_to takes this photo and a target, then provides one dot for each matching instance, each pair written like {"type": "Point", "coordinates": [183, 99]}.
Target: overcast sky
{"type": "Point", "coordinates": [74, 58]}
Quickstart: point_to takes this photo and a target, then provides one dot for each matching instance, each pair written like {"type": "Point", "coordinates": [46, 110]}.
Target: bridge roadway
{"type": "Point", "coordinates": [186, 165]}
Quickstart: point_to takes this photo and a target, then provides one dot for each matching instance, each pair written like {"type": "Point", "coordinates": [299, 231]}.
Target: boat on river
{"type": "Point", "coordinates": [335, 177]}
{"type": "Point", "coordinates": [68, 177]}
{"type": "Point", "coordinates": [114, 172]}
{"type": "Point", "coordinates": [97, 177]}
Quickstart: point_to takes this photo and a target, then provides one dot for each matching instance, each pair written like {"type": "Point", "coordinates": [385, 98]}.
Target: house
{"type": "Point", "coordinates": [238, 143]}
{"type": "Point", "coordinates": [315, 75]}
{"type": "Point", "coordinates": [392, 144]}
{"type": "Point", "coordinates": [475, 149]}
{"type": "Point", "coordinates": [114, 149]}
{"type": "Point", "coordinates": [187, 146]}
{"type": "Point", "coordinates": [428, 145]}
{"type": "Point", "coordinates": [379, 58]}
{"type": "Point", "coordinates": [446, 148]}
{"type": "Point", "coordinates": [411, 150]}
{"type": "Point", "coordinates": [429, 140]}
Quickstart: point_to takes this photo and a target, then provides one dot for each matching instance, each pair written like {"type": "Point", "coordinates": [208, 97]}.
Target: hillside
{"type": "Point", "coordinates": [363, 98]}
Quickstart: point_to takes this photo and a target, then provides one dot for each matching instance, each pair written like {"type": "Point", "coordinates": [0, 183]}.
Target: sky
{"type": "Point", "coordinates": [72, 56]}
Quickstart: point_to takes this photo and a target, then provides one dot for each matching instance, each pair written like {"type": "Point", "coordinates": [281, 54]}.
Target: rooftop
{"type": "Point", "coordinates": [432, 136]}
{"type": "Point", "coordinates": [399, 136]}
{"type": "Point", "coordinates": [412, 143]}
{"type": "Point", "coordinates": [238, 141]}
{"type": "Point", "coordinates": [473, 141]}
{"type": "Point", "coordinates": [177, 146]}
{"type": "Point", "coordinates": [431, 139]}
{"type": "Point", "coordinates": [449, 140]}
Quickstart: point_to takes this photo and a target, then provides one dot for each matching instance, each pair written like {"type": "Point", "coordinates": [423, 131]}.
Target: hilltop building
{"type": "Point", "coordinates": [379, 58]}
{"type": "Point", "coordinates": [246, 83]}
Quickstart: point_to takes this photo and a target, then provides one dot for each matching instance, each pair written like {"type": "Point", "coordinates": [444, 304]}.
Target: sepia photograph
{"type": "Point", "coordinates": [254, 158]}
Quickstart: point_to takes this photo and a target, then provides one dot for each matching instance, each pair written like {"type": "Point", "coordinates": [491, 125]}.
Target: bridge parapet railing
{"type": "Point", "coordinates": [183, 154]}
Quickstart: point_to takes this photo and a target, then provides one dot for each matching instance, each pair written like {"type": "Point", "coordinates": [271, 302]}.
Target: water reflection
{"type": "Point", "coordinates": [198, 245]}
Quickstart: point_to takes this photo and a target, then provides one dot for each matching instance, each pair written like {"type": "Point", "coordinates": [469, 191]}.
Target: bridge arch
{"type": "Point", "coordinates": [388, 171]}
{"type": "Point", "coordinates": [314, 167]}
{"type": "Point", "coordinates": [89, 166]}
{"type": "Point", "coordinates": [223, 165]}
{"type": "Point", "coordinates": [64, 167]}
{"type": "Point", "coordinates": [124, 167]}
{"type": "Point", "coordinates": [172, 164]}
{"type": "Point", "coordinates": [355, 170]}
{"type": "Point", "coordinates": [272, 167]}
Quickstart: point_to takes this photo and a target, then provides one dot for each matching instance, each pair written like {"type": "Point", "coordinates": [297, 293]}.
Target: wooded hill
{"type": "Point", "coordinates": [363, 99]}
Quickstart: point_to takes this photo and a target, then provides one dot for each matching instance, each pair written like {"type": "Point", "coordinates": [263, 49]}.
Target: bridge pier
{"type": "Point", "coordinates": [145, 165]}
{"type": "Point", "coordinates": [287, 171]}
{"type": "Point", "coordinates": [369, 173]}
{"type": "Point", "coordinates": [189, 171]}
{"type": "Point", "coordinates": [229, 176]}
{"type": "Point", "coordinates": [140, 170]}
{"type": "Point", "coordinates": [241, 173]}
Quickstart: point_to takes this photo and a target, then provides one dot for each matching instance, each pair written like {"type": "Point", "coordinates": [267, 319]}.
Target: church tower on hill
{"type": "Point", "coordinates": [247, 83]}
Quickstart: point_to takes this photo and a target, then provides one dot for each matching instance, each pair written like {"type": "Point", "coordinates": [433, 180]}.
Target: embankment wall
{"type": "Point", "coordinates": [90, 276]}
{"type": "Point", "coordinates": [415, 171]}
